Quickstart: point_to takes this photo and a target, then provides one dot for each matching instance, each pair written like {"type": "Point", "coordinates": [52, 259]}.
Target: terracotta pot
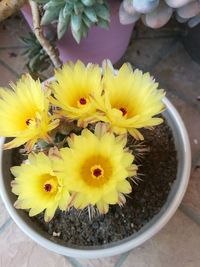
{"type": "Point", "coordinates": [100, 43]}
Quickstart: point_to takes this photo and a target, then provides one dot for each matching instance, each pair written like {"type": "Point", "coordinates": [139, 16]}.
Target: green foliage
{"type": "Point", "coordinates": [80, 15]}
{"type": "Point", "coordinates": [37, 58]}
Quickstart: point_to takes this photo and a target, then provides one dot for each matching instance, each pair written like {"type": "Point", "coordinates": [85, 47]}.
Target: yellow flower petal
{"type": "Point", "coordinates": [50, 211]}
{"type": "Point", "coordinates": [111, 197]}
{"type": "Point", "coordinates": [124, 187]}
{"type": "Point", "coordinates": [24, 113]}
{"type": "Point", "coordinates": [98, 167]}
{"type": "Point", "coordinates": [38, 187]}
{"type": "Point", "coordinates": [103, 207]}
{"type": "Point", "coordinates": [130, 100]}
{"type": "Point", "coordinates": [75, 87]}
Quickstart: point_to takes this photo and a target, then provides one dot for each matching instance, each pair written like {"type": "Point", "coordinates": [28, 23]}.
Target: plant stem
{"type": "Point", "coordinates": [50, 50]}
{"type": "Point", "coordinates": [9, 7]}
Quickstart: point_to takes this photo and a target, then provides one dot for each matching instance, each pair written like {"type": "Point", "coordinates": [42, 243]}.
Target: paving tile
{"type": "Point", "coordinates": [11, 63]}
{"type": "Point", "coordinates": [15, 65]}
{"type": "Point", "coordinates": [192, 196]}
{"type": "Point", "coordinates": [14, 61]}
{"type": "Point", "coordinates": [145, 53]}
{"type": "Point", "coordinates": [147, 46]}
{"type": "Point", "coordinates": [11, 30]}
{"type": "Point", "coordinates": [191, 118]}
{"type": "Point", "coordinates": [104, 262]}
{"type": "Point", "coordinates": [19, 250]}
{"type": "Point", "coordinates": [6, 76]}
{"type": "Point", "coordinates": [10, 52]}
{"type": "Point", "coordinates": [11, 47]}
{"type": "Point", "coordinates": [176, 245]}
{"type": "Point", "coordinates": [179, 74]}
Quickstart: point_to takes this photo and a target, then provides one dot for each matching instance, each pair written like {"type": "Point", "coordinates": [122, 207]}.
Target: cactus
{"type": "Point", "coordinates": [156, 13]}
{"type": "Point", "coordinates": [79, 14]}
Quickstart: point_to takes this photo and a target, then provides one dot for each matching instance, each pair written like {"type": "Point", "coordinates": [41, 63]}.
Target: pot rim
{"type": "Point", "coordinates": [124, 245]}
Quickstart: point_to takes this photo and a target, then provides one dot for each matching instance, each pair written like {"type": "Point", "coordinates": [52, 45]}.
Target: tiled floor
{"type": "Point", "coordinates": [162, 53]}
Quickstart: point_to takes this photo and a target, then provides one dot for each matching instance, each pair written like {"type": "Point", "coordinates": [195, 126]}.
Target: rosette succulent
{"type": "Point", "coordinates": [156, 13]}
{"type": "Point", "coordinates": [79, 14]}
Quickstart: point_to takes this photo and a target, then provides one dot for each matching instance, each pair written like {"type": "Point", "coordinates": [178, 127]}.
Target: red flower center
{"type": "Point", "coordinates": [28, 121]}
{"type": "Point", "coordinates": [97, 172]}
{"type": "Point", "coordinates": [124, 111]}
{"type": "Point", "coordinates": [47, 187]}
{"type": "Point", "coordinates": [82, 101]}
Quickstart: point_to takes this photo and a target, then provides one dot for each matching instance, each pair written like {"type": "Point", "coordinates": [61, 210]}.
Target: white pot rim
{"type": "Point", "coordinates": [126, 244]}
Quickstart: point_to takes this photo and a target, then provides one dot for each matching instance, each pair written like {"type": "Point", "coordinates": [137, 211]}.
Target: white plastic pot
{"type": "Point", "coordinates": [145, 233]}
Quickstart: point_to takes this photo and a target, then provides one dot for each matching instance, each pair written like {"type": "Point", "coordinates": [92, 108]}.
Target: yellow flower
{"type": "Point", "coordinates": [73, 90]}
{"type": "Point", "coordinates": [130, 101]}
{"type": "Point", "coordinates": [24, 113]}
{"type": "Point", "coordinates": [38, 187]}
{"type": "Point", "coordinates": [98, 166]}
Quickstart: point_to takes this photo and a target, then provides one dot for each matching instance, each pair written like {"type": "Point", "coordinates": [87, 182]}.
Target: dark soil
{"type": "Point", "coordinates": [158, 172]}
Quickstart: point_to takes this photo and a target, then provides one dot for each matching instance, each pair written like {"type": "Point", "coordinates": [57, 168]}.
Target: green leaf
{"type": "Point", "coordinates": [63, 22]}
{"type": "Point", "coordinates": [101, 2]}
{"type": "Point", "coordinates": [36, 58]}
{"type": "Point", "coordinates": [78, 8]}
{"type": "Point", "coordinates": [88, 2]}
{"type": "Point", "coordinates": [84, 30]}
{"type": "Point", "coordinates": [76, 22]}
{"type": "Point", "coordinates": [68, 9]}
{"type": "Point", "coordinates": [41, 1]}
{"type": "Point", "coordinates": [90, 13]}
{"type": "Point", "coordinates": [102, 12]}
{"type": "Point", "coordinates": [77, 35]}
{"type": "Point", "coordinates": [87, 22]}
{"type": "Point", "coordinates": [54, 4]}
{"type": "Point", "coordinates": [103, 23]}
{"type": "Point", "coordinates": [33, 62]}
{"type": "Point", "coordinates": [49, 16]}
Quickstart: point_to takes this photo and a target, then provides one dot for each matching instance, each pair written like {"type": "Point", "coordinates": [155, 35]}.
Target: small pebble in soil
{"type": "Point", "coordinates": [56, 234]}
{"type": "Point", "coordinates": [158, 171]}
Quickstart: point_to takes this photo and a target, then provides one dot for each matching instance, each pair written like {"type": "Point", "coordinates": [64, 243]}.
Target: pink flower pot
{"type": "Point", "coordinates": [99, 44]}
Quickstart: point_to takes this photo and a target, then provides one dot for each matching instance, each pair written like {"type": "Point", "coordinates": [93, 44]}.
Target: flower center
{"type": "Point", "coordinates": [82, 101]}
{"type": "Point", "coordinates": [28, 121]}
{"type": "Point", "coordinates": [124, 111]}
{"type": "Point", "coordinates": [97, 172]}
{"type": "Point", "coordinates": [51, 185]}
{"type": "Point", "coordinates": [48, 187]}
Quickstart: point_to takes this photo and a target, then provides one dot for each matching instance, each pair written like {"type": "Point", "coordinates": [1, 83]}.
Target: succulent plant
{"type": "Point", "coordinates": [79, 14]}
{"type": "Point", "coordinates": [37, 59]}
{"type": "Point", "coordinates": [156, 13]}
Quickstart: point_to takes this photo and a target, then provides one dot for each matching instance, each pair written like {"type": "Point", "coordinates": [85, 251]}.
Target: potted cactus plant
{"type": "Point", "coordinates": [96, 169]}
